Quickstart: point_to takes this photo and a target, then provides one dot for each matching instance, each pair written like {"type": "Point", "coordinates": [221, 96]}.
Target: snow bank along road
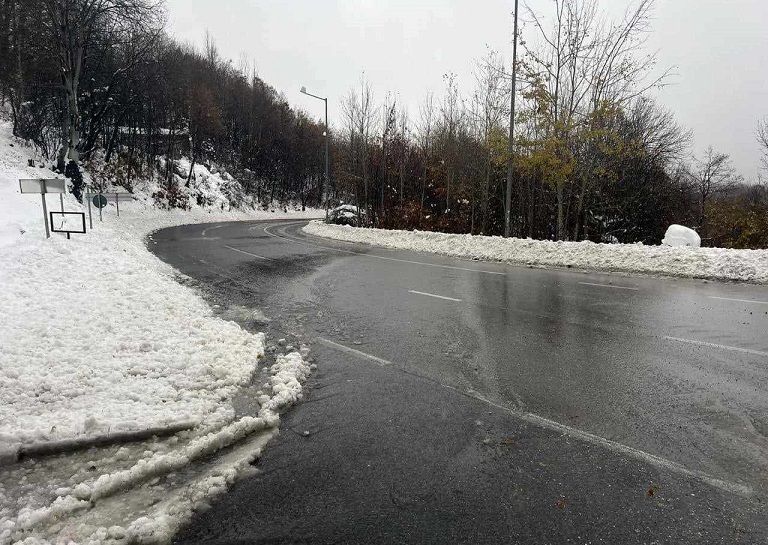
{"type": "Point", "coordinates": [706, 263]}
{"type": "Point", "coordinates": [98, 340]}
{"type": "Point", "coordinates": [461, 401]}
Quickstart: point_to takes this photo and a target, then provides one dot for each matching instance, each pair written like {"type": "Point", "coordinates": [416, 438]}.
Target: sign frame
{"type": "Point", "coordinates": [67, 231]}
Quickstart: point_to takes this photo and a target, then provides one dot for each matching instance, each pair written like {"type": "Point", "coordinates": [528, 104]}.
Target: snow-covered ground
{"type": "Point", "coordinates": [709, 263]}
{"type": "Point", "coordinates": [98, 338]}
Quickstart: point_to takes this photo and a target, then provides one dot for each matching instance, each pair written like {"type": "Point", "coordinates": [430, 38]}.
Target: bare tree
{"type": "Point", "coordinates": [489, 109]}
{"type": "Point", "coordinates": [665, 141]}
{"type": "Point", "coordinates": [74, 27]}
{"type": "Point", "coordinates": [402, 147]}
{"type": "Point", "coordinates": [360, 118]}
{"type": "Point", "coordinates": [713, 175]}
{"type": "Point", "coordinates": [451, 113]}
{"type": "Point", "coordinates": [762, 140]}
{"type": "Point", "coordinates": [425, 131]}
{"type": "Point", "coordinates": [583, 64]}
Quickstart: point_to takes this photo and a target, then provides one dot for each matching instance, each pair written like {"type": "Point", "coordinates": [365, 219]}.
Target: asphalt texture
{"type": "Point", "coordinates": [472, 402]}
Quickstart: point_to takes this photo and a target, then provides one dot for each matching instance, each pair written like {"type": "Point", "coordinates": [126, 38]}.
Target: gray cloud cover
{"type": "Point", "coordinates": [404, 47]}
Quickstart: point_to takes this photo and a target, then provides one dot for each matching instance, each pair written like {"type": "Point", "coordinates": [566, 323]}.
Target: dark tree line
{"type": "Point", "coordinates": [98, 83]}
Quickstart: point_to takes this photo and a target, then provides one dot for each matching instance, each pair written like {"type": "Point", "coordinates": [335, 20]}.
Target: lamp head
{"type": "Point", "coordinates": [303, 89]}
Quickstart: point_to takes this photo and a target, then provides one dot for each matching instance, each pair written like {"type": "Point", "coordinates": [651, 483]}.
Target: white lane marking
{"type": "Point", "coordinates": [205, 231]}
{"type": "Point", "coordinates": [740, 300]}
{"type": "Point", "coordinates": [719, 346]}
{"type": "Point", "coordinates": [615, 447]}
{"type": "Point", "coordinates": [341, 347]}
{"type": "Point", "coordinates": [609, 286]}
{"type": "Point", "coordinates": [248, 253]}
{"type": "Point", "coordinates": [584, 436]}
{"type": "Point", "coordinates": [435, 296]}
{"type": "Point", "coordinates": [619, 448]}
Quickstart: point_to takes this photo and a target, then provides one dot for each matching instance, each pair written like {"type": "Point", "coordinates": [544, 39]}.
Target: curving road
{"type": "Point", "coordinates": [459, 401]}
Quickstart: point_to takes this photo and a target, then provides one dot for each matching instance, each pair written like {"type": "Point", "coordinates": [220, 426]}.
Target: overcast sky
{"type": "Point", "coordinates": [405, 46]}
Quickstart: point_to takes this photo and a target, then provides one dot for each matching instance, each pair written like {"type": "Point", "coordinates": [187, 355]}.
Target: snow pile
{"type": "Point", "coordinates": [97, 337]}
{"type": "Point", "coordinates": [19, 214]}
{"type": "Point", "coordinates": [285, 382]}
{"type": "Point", "coordinates": [678, 235]}
{"type": "Point", "coordinates": [710, 263]}
{"type": "Point", "coordinates": [69, 513]}
{"type": "Point", "coordinates": [210, 187]}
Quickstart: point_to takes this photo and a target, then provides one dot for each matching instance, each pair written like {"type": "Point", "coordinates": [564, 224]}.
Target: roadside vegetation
{"type": "Point", "coordinates": [99, 84]}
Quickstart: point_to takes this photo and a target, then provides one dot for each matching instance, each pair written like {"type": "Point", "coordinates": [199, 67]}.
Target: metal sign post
{"type": "Point", "coordinates": [99, 200]}
{"type": "Point", "coordinates": [121, 195]}
{"type": "Point", "coordinates": [90, 217]}
{"type": "Point", "coordinates": [43, 186]}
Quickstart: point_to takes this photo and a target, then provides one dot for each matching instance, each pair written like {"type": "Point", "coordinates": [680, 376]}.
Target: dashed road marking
{"type": "Point", "coordinates": [358, 353]}
{"type": "Point", "coordinates": [583, 436]}
{"type": "Point", "coordinates": [719, 346]}
{"type": "Point", "coordinates": [753, 301]}
{"type": "Point", "coordinates": [620, 448]}
{"type": "Point", "coordinates": [248, 253]}
{"type": "Point", "coordinates": [205, 231]}
{"type": "Point", "coordinates": [435, 296]}
{"type": "Point", "coordinates": [609, 286]}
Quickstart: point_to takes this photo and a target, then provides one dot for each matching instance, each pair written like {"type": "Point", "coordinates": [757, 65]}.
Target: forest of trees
{"type": "Point", "coordinates": [595, 157]}
{"type": "Point", "coordinates": [100, 81]}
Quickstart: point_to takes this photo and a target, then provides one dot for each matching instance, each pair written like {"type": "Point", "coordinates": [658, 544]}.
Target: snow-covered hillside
{"type": "Point", "coordinates": [98, 338]}
{"type": "Point", "coordinates": [709, 263]}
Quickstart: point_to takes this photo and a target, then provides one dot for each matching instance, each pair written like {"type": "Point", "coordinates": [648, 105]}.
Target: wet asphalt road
{"type": "Point", "coordinates": [461, 401]}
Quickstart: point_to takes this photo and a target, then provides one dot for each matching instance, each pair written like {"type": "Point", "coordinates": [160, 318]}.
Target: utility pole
{"type": "Point", "coordinates": [508, 196]}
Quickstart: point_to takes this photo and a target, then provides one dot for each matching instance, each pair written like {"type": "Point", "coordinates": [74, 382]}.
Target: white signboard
{"type": "Point", "coordinates": [67, 222]}
{"type": "Point", "coordinates": [42, 186]}
{"type": "Point", "coordinates": [52, 185]}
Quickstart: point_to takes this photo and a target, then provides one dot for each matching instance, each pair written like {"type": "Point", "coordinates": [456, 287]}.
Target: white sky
{"type": "Point", "coordinates": [405, 46]}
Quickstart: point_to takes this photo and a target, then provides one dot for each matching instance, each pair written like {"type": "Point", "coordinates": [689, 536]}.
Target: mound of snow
{"type": "Point", "coordinates": [711, 263]}
{"type": "Point", "coordinates": [97, 337]}
{"type": "Point", "coordinates": [19, 214]}
{"type": "Point", "coordinates": [678, 235]}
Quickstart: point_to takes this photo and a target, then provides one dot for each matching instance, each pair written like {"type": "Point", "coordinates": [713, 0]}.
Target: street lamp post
{"type": "Point", "coordinates": [327, 137]}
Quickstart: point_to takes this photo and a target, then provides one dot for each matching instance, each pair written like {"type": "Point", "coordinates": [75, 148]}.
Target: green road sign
{"type": "Point", "coordinates": [99, 201]}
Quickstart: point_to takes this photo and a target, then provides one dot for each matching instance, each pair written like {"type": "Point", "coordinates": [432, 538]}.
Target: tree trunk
{"type": "Point", "coordinates": [71, 122]}
{"type": "Point", "coordinates": [560, 212]}
{"type": "Point", "coordinates": [402, 179]}
{"type": "Point", "coordinates": [191, 170]}
{"type": "Point", "coordinates": [580, 208]}
{"type": "Point", "coordinates": [531, 207]}
{"type": "Point", "coordinates": [486, 196]}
